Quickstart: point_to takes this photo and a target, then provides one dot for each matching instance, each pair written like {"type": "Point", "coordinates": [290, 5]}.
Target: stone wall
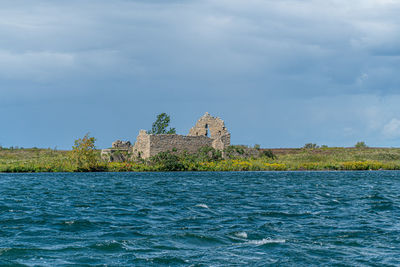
{"type": "Point", "coordinates": [141, 148]}
{"type": "Point", "coordinates": [121, 144]}
{"type": "Point", "coordinates": [115, 154]}
{"type": "Point", "coordinates": [210, 126]}
{"type": "Point", "coordinates": [214, 128]}
{"type": "Point", "coordinates": [180, 143]}
{"type": "Point", "coordinates": [148, 145]}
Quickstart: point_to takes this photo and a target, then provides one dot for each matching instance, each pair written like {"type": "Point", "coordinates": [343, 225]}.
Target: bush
{"type": "Point", "coordinates": [208, 153]}
{"type": "Point", "coordinates": [84, 154]}
{"type": "Point", "coordinates": [235, 151]}
{"type": "Point", "coordinates": [268, 154]}
{"type": "Point", "coordinates": [167, 161]}
{"type": "Point", "coordinates": [310, 146]}
{"type": "Point", "coordinates": [360, 144]}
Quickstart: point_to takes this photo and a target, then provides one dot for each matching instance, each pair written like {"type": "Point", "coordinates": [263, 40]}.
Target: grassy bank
{"type": "Point", "coordinates": [35, 160]}
{"type": "Point", "coordinates": [48, 160]}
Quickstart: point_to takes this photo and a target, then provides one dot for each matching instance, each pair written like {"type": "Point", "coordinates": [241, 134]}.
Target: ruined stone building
{"type": "Point", "coordinates": [208, 131]}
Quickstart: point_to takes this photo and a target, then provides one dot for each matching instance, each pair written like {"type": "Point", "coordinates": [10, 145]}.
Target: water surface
{"type": "Point", "coordinates": [201, 219]}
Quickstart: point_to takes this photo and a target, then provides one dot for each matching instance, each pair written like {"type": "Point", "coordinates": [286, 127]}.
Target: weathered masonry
{"type": "Point", "coordinates": [208, 131]}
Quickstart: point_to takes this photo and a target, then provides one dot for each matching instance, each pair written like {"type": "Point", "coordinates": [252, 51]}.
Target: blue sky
{"type": "Point", "coordinates": [280, 73]}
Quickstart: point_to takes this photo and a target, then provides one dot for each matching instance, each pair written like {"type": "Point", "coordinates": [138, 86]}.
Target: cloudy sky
{"type": "Point", "coordinates": [281, 73]}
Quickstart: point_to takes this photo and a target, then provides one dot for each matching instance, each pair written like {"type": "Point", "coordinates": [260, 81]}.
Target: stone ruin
{"type": "Point", "coordinates": [119, 151]}
{"type": "Point", "coordinates": [208, 131]}
{"type": "Point", "coordinates": [121, 144]}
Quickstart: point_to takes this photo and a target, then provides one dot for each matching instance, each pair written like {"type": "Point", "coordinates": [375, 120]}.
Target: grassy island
{"type": "Point", "coordinates": [237, 159]}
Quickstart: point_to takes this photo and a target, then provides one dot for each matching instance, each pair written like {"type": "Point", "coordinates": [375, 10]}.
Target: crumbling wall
{"type": "Point", "coordinates": [121, 144]}
{"type": "Point", "coordinates": [209, 126]}
{"type": "Point", "coordinates": [213, 127]}
{"type": "Point", "coordinates": [148, 145]}
{"type": "Point", "coordinates": [180, 143]}
{"type": "Point", "coordinates": [141, 148]}
{"type": "Point", "coordinates": [115, 154]}
{"type": "Point", "coordinates": [119, 151]}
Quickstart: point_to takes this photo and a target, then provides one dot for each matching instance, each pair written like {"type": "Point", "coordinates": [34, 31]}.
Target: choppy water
{"type": "Point", "coordinates": [201, 219]}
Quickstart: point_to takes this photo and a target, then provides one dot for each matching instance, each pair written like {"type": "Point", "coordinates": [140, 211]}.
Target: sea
{"type": "Point", "coordinates": [200, 219]}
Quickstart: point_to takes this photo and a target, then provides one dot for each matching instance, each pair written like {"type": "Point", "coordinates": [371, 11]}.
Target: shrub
{"type": "Point", "coordinates": [268, 154]}
{"type": "Point", "coordinates": [167, 161]}
{"type": "Point", "coordinates": [360, 144]}
{"type": "Point", "coordinates": [310, 146]}
{"type": "Point", "coordinates": [84, 154]}
{"type": "Point", "coordinates": [207, 153]}
{"type": "Point", "coordinates": [235, 151]}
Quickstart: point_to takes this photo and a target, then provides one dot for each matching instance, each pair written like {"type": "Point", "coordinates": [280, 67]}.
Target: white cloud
{"type": "Point", "coordinates": [362, 79]}
{"type": "Point", "coordinates": [392, 129]}
{"type": "Point", "coordinates": [34, 65]}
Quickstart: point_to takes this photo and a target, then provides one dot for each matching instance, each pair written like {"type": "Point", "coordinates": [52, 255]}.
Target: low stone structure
{"type": "Point", "coordinates": [121, 144]}
{"type": "Point", "coordinates": [208, 131]}
{"type": "Point", "coordinates": [120, 151]}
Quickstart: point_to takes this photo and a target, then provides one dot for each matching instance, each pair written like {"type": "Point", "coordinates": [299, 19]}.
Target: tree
{"type": "Point", "coordinates": [84, 153]}
{"type": "Point", "coordinates": [360, 144]}
{"type": "Point", "coordinates": [161, 124]}
{"type": "Point", "coordinates": [310, 146]}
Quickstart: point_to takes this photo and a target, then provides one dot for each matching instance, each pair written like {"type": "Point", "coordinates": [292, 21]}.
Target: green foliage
{"type": "Point", "coordinates": [268, 154]}
{"type": "Point", "coordinates": [310, 146]}
{"type": "Point", "coordinates": [208, 153]}
{"type": "Point", "coordinates": [208, 159]}
{"type": "Point", "coordinates": [120, 156]}
{"type": "Point", "coordinates": [84, 154]}
{"type": "Point", "coordinates": [234, 151]}
{"type": "Point", "coordinates": [35, 160]}
{"type": "Point", "coordinates": [161, 124]}
{"type": "Point", "coordinates": [360, 144]}
{"type": "Point", "coordinates": [257, 146]}
{"type": "Point", "coordinates": [167, 161]}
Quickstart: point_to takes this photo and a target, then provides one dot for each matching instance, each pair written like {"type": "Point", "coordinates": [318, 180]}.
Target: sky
{"type": "Point", "coordinates": [280, 73]}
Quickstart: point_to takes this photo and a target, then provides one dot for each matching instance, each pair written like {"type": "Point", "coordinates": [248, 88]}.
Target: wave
{"type": "Point", "coordinates": [241, 234]}
{"type": "Point", "coordinates": [265, 241]}
{"type": "Point", "coordinates": [109, 245]}
{"type": "Point", "coordinates": [202, 206]}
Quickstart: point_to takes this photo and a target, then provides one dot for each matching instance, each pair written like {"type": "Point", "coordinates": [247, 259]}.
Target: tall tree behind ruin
{"type": "Point", "coordinates": [161, 124]}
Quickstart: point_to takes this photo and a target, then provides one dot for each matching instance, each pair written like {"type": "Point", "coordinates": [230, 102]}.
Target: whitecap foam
{"type": "Point", "coordinates": [202, 206]}
{"type": "Point", "coordinates": [265, 241]}
{"type": "Point", "coordinates": [241, 234]}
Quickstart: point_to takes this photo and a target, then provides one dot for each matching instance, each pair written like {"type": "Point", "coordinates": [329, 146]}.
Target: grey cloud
{"type": "Point", "coordinates": [208, 55]}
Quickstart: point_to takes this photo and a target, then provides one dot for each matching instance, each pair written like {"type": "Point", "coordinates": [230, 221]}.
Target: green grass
{"type": "Point", "coordinates": [341, 158]}
{"type": "Point", "coordinates": [48, 160]}
{"type": "Point", "coordinates": [35, 160]}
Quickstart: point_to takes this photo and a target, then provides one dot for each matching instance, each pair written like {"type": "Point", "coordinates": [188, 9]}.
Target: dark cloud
{"type": "Point", "coordinates": [281, 63]}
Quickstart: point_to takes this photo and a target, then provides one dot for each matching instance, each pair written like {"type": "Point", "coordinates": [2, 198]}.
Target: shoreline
{"type": "Point", "coordinates": [36, 160]}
